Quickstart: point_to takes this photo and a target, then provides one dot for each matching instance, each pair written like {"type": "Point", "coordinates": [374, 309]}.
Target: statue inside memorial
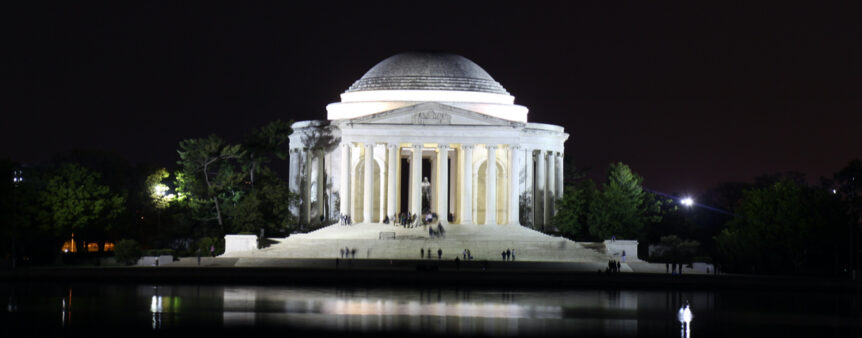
{"type": "Point", "coordinates": [426, 195]}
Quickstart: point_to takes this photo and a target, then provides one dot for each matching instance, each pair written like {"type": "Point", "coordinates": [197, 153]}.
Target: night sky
{"type": "Point", "coordinates": [687, 96]}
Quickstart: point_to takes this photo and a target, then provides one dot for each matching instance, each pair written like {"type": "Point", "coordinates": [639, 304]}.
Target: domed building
{"type": "Point", "coordinates": [424, 133]}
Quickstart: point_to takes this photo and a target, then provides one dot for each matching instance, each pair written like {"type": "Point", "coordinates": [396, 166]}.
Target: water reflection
{"type": "Point", "coordinates": [685, 316]}
{"type": "Point", "coordinates": [442, 311]}
{"type": "Point", "coordinates": [439, 311]}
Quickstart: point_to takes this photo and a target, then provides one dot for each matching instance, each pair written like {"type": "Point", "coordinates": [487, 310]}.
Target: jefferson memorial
{"type": "Point", "coordinates": [424, 133]}
{"type": "Point", "coordinates": [427, 134]}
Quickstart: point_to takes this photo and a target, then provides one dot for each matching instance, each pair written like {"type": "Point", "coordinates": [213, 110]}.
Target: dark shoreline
{"type": "Point", "coordinates": [412, 274]}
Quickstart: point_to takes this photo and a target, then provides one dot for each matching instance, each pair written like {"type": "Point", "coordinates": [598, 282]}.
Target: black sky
{"type": "Point", "coordinates": [688, 96]}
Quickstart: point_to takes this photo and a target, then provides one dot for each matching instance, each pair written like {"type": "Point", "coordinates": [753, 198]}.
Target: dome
{"type": "Point", "coordinates": [427, 71]}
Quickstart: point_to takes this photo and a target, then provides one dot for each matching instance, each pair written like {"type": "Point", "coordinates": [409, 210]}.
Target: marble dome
{"type": "Point", "coordinates": [427, 71]}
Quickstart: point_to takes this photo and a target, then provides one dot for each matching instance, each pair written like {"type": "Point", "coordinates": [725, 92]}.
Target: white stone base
{"type": "Point", "coordinates": [238, 243]}
{"type": "Point", "coordinates": [616, 248]}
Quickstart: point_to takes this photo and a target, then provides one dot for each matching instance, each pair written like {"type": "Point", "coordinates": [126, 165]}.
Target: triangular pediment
{"type": "Point", "coordinates": [431, 113]}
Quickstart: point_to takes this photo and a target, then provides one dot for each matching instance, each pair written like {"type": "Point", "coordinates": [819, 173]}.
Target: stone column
{"type": "Point", "coordinates": [321, 183]}
{"type": "Point", "coordinates": [392, 176]}
{"type": "Point", "coordinates": [432, 204]}
{"type": "Point", "coordinates": [528, 186]}
{"type": "Point", "coordinates": [383, 173]}
{"type": "Point", "coordinates": [368, 187]}
{"type": "Point", "coordinates": [560, 174]}
{"type": "Point", "coordinates": [467, 185]}
{"type": "Point", "coordinates": [307, 156]}
{"type": "Point", "coordinates": [541, 196]}
{"type": "Point", "coordinates": [346, 176]}
{"type": "Point", "coordinates": [491, 186]}
{"type": "Point", "coordinates": [293, 182]}
{"type": "Point", "coordinates": [416, 181]}
{"type": "Point", "coordinates": [514, 177]}
{"type": "Point", "coordinates": [552, 186]}
{"type": "Point", "coordinates": [443, 183]}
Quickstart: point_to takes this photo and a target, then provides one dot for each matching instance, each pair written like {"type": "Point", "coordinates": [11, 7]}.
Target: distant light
{"type": "Point", "coordinates": [834, 191]}
{"type": "Point", "coordinates": [688, 201]}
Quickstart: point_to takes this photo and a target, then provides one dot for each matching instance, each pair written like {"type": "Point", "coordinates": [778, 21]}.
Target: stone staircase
{"type": "Point", "coordinates": [485, 242]}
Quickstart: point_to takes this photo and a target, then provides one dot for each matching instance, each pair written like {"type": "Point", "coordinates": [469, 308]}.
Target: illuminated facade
{"type": "Point", "coordinates": [434, 117]}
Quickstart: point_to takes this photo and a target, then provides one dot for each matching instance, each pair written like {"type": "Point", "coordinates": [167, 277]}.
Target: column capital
{"type": "Point", "coordinates": [442, 146]}
{"type": "Point", "coordinates": [369, 144]}
{"type": "Point", "coordinates": [416, 147]}
{"type": "Point", "coordinates": [491, 146]}
{"type": "Point", "coordinates": [467, 146]}
{"type": "Point", "coordinates": [515, 147]}
{"type": "Point", "coordinates": [391, 146]}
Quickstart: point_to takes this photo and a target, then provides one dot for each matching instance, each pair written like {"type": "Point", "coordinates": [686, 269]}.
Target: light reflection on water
{"type": "Point", "coordinates": [592, 312]}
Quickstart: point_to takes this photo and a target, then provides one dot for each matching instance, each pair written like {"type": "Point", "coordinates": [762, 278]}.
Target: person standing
{"type": "Point", "coordinates": [422, 252]}
{"type": "Point", "coordinates": [212, 250]}
{"type": "Point", "coordinates": [439, 254]}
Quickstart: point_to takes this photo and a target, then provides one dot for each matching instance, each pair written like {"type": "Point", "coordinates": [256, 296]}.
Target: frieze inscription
{"type": "Point", "coordinates": [431, 117]}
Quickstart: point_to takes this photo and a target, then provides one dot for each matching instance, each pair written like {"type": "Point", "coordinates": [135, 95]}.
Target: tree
{"type": "Point", "coordinates": [572, 217]}
{"type": "Point", "coordinates": [622, 208]}
{"type": "Point", "coordinates": [207, 175]}
{"type": "Point", "coordinates": [263, 144]}
{"type": "Point", "coordinates": [784, 228]}
{"type": "Point", "coordinates": [672, 249]}
{"type": "Point", "coordinates": [75, 201]}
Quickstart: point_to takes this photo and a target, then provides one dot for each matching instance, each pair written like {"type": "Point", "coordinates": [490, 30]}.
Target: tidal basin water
{"type": "Point", "coordinates": [431, 311]}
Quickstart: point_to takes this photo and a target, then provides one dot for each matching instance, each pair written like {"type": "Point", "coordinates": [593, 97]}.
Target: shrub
{"type": "Point", "coordinates": [127, 251]}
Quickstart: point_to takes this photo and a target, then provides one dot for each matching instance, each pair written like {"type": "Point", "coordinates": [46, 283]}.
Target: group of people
{"type": "Point", "coordinates": [468, 256]}
{"type": "Point", "coordinates": [406, 220]}
{"type": "Point", "coordinates": [430, 254]}
{"type": "Point", "coordinates": [613, 266]}
{"type": "Point", "coordinates": [348, 253]}
{"type": "Point", "coordinates": [674, 268]}
{"type": "Point", "coordinates": [508, 255]}
{"type": "Point", "coordinates": [345, 220]}
{"type": "Point", "coordinates": [439, 232]}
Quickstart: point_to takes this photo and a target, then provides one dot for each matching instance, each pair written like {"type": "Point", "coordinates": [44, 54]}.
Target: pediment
{"type": "Point", "coordinates": [431, 113]}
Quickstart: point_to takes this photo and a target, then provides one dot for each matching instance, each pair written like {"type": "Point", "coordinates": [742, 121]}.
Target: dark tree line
{"type": "Point", "coordinates": [216, 188]}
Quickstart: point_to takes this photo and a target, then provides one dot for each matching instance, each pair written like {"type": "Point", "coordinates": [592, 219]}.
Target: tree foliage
{"type": "Point", "coordinates": [75, 201]}
{"type": "Point", "coordinates": [622, 208]}
{"type": "Point", "coordinates": [784, 228]}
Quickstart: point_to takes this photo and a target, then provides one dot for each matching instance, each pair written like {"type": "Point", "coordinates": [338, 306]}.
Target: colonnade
{"type": "Point", "coordinates": [541, 184]}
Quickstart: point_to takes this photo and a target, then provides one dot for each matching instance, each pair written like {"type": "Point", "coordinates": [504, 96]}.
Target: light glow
{"type": "Point", "coordinates": [688, 201]}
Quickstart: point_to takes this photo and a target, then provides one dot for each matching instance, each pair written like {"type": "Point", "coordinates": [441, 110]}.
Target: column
{"type": "Point", "coordinates": [443, 183]}
{"type": "Point", "coordinates": [514, 191]}
{"type": "Point", "coordinates": [552, 187]}
{"type": "Point", "coordinates": [293, 183]}
{"type": "Point", "coordinates": [432, 204]}
{"type": "Point", "coordinates": [383, 173]}
{"type": "Point", "coordinates": [321, 183]}
{"type": "Point", "coordinates": [416, 181]}
{"type": "Point", "coordinates": [528, 187]}
{"type": "Point", "coordinates": [307, 155]}
{"type": "Point", "coordinates": [392, 176]}
{"type": "Point", "coordinates": [560, 173]}
{"type": "Point", "coordinates": [452, 170]}
{"type": "Point", "coordinates": [467, 185]}
{"type": "Point", "coordinates": [491, 186]}
{"type": "Point", "coordinates": [541, 197]}
{"type": "Point", "coordinates": [344, 195]}
{"type": "Point", "coordinates": [368, 187]}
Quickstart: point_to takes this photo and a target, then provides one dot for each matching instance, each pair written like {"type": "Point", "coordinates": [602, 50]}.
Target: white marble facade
{"type": "Point", "coordinates": [441, 110]}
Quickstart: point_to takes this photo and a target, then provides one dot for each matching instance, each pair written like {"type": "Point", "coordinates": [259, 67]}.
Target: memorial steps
{"type": "Point", "coordinates": [373, 241]}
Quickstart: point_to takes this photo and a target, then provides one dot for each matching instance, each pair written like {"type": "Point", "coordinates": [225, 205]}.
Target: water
{"type": "Point", "coordinates": [430, 311]}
